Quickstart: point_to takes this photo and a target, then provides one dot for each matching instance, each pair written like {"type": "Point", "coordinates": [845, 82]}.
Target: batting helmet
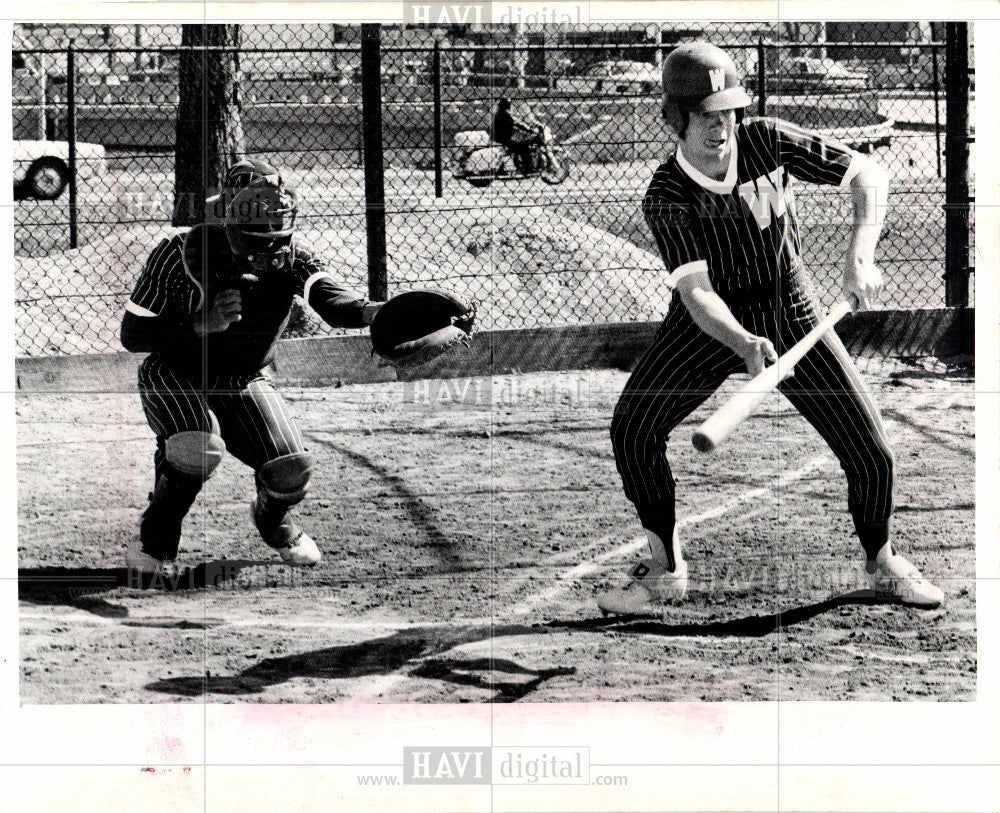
{"type": "Point", "coordinates": [699, 76]}
{"type": "Point", "coordinates": [259, 224]}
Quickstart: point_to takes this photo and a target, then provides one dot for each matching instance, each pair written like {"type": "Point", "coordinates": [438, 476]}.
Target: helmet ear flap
{"type": "Point", "coordinates": [675, 116]}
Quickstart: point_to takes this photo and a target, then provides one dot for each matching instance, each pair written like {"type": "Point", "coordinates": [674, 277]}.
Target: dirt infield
{"type": "Point", "coordinates": [465, 525]}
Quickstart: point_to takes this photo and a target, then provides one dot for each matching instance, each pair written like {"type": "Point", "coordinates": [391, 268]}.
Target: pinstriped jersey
{"type": "Point", "coordinates": [742, 230]}
{"type": "Point", "coordinates": [185, 271]}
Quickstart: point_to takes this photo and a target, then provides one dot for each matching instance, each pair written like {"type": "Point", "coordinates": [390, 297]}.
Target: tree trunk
{"type": "Point", "coordinates": [520, 57]}
{"type": "Point", "coordinates": [209, 129]}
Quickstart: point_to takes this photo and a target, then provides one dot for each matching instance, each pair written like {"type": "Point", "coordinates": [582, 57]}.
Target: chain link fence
{"type": "Point", "coordinates": [531, 251]}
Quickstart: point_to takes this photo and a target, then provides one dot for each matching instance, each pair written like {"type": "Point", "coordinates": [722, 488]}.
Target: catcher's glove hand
{"type": "Point", "coordinates": [418, 326]}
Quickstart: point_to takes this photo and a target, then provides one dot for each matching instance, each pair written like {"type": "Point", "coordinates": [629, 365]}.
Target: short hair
{"type": "Point", "coordinates": [685, 117]}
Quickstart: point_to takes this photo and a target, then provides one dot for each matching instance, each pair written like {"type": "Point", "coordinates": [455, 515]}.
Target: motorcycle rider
{"type": "Point", "coordinates": [518, 136]}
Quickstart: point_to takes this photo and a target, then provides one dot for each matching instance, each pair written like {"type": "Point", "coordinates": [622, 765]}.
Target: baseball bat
{"type": "Point", "coordinates": [717, 426]}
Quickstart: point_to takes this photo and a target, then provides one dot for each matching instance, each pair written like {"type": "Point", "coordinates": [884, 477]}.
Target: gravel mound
{"type": "Point", "coordinates": [524, 266]}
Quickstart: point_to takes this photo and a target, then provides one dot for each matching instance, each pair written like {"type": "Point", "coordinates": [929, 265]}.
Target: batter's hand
{"type": "Point", "coordinates": [862, 281]}
{"type": "Point", "coordinates": [225, 309]}
{"type": "Point", "coordinates": [758, 353]}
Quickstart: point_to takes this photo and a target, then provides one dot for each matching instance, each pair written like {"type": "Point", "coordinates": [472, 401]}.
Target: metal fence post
{"type": "Point", "coordinates": [937, 101]}
{"type": "Point", "coordinates": [761, 78]}
{"type": "Point", "coordinates": [956, 168]}
{"type": "Point", "coordinates": [43, 91]}
{"type": "Point", "coordinates": [438, 164]}
{"type": "Point", "coordinates": [633, 105]}
{"type": "Point", "coordinates": [71, 140]}
{"type": "Point", "coordinates": [371, 130]}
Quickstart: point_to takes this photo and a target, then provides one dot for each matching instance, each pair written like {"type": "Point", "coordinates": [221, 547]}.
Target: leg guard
{"type": "Point", "coordinates": [188, 460]}
{"type": "Point", "coordinates": [281, 483]}
{"type": "Point", "coordinates": [196, 454]}
{"type": "Point", "coordinates": [172, 498]}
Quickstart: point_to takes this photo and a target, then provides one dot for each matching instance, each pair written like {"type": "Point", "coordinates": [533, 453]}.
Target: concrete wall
{"type": "Point", "coordinates": [337, 360]}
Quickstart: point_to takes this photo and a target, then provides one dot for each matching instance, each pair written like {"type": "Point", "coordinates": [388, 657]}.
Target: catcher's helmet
{"type": "Point", "coordinates": [259, 224]}
{"type": "Point", "coordinates": [239, 176]}
{"type": "Point", "coordinates": [251, 173]}
{"type": "Point", "coordinates": [699, 76]}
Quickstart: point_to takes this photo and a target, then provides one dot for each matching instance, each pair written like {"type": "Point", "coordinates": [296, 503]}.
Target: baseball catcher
{"type": "Point", "coordinates": [722, 212]}
{"type": "Point", "coordinates": [209, 308]}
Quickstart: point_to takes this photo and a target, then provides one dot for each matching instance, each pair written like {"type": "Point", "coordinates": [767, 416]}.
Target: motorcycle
{"type": "Point", "coordinates": [481, 161]}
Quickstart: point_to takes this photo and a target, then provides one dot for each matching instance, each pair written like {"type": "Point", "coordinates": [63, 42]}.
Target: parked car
{"type": "Point", "coordinates": [41, 168]}
{"type": "Point", "coordinates": [804, 74]}
{"type": "Point", "coordinates": [614, 76]}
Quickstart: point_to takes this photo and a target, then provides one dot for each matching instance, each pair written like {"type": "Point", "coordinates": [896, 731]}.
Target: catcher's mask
{"type": "Point", "coordinates": [250, 173]}
{"type": "Point", "coordinates": [239, 176]}
{"type": "Point", "coordinates": [699, 76]}
{"type": "Point", "coordinates": [259, 225]}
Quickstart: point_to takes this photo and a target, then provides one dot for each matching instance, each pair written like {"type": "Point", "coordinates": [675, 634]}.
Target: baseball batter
{"type": "Point", "coordinates": [209, 308]}
{"type": "Point", "coordinates": [722, 212]}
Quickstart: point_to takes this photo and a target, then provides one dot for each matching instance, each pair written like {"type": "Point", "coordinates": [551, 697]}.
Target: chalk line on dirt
{"type": "Point", "coordinates": [635, 545]}
{"type": "Point", "coordinates": [155, 622]}
{"type": "Point", "coordinates": [590, 568]}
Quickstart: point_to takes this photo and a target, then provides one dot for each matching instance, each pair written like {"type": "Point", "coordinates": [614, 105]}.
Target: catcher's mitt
{"type": "Point", "coordinates": [418, 326]}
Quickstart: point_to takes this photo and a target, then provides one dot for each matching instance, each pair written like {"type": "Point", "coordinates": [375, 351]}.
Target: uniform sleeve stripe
{"type": "Point", "coordinates": [187, 271]}
{"type": "Point", "coordinates": [138, 310]}
{"type": "Point", "coordinates": [686, 270]}
{"type": "Point", "coordinates": [312, 280]}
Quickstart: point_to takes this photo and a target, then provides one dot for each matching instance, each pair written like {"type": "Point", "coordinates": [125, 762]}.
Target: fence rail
{"type": "Point", "coordinates": [530, 253]}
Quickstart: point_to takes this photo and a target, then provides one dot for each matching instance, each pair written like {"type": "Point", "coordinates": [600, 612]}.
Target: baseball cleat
{"type": "Point", "coordinates": [138, 560]}
{"type": "Point", "coordinates": [650, 587]}
{"type": "Point", "coordinates": [301, 553]}
{"type": "Point", "coordinates": [894, 578]}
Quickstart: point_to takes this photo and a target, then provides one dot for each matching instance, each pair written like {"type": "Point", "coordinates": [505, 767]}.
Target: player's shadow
{"type": "Point", "coordinates": [509, 680]}
{"type": "Point", "coordinates": [420, 652]}
{"type": "Point", "coordinates": [416, 650]}
{"type": "Point", "coordinates": [754, 626]}
{"type": "Point", "coordinates": [84, 588]}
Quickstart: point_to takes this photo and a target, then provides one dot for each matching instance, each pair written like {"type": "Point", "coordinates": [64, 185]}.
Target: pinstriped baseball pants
{"type": "Point", "coordinates": [684, 366]}
{"type": "Point", "coordinates": [249, 414]}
